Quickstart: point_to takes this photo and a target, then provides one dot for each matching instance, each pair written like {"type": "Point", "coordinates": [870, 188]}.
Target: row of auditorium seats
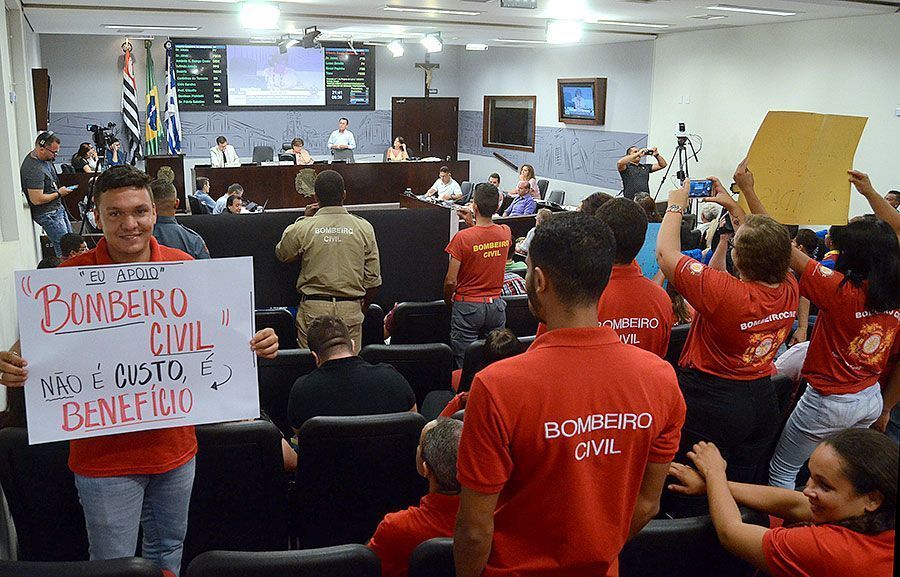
{"type": "Point", "coordinates": [670, 547]}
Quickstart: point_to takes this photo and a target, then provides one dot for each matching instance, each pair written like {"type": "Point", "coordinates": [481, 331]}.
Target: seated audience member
{"type": "Point", "coordinates": [167, 229]}
{"type": "Point", "coordinates": [841, 525]}
{"type": "Point", "coordinates": [53, 262]}
{"type": "Point", "coordinates": [72, 244]}
{"type": "Point", "coordinates": [397, 152]}
{"type": "Point", "coordinates": [591, 203]}
{"type": "Point", "coordinates": [832, 245]}
{"type": "Point", "coordinates": [498, 344]}
{"type": "Point", "coordinates": [893, 198]}
{"type": "Point", "coordinates": [855, 330]}
{"type": "Point", "coordinates": [726, 365]}
{"type": "Point", "coordinates": [709, 221]}
{"type": "Point", "coordinates": [445, 188]}
{"type": "Point", "coordinates": [233, 205]}
{"type": "Point", "coordinates": [233, 190]}
{"type": "Point", "coordinates": [494, 179]}
{"type": "Point", "coordinates": [542, 216]}
{"type": "Point", "coordinates": [203, 196]}
{"type": "Point", "coordinates": [648, 205]}
{"type": "Point", "coordinates": [513, 284]}
{"type": "Point", "coordinates": [526, 174]}
{"type": "Point", "coordinates": [343, 384]}
{"type": "Point", "coordinates": [524, 203]}
{"type": "Point", "coordinates": [645, 322]}
{"type": "Point", "coordinates": [115, 156]}
{"type": "Point", "coordinates": [400, 533]}
{"type": "Point", "coordinates": [684, 313]}
{"type": "Point", "coordinates": [300, 154]}
{"type": "Point", "coordinates": [532, 499]}
{"type": "Point", "coordinates": [85, 160]}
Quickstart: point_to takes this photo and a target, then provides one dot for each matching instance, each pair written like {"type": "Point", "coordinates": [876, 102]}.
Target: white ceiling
{"type": "Point", "coordinates": [365, 20]}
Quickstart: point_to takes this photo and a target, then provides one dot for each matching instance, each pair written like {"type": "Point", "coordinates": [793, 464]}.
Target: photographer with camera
{"type": "Point", "coordinates": [635, 175]}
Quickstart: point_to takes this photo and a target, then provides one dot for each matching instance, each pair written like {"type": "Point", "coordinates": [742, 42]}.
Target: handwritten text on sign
{"type": "Point", "coordinates": [122, 348]}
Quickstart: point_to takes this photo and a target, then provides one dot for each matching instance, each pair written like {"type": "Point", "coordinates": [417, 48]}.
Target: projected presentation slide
{"type": "Point", "coordinates": [579, 101]}
{"type": "Point", "coordinates": [262, 76]}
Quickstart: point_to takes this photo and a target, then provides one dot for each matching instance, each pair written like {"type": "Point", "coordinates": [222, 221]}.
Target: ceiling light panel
{"type": "Point", "coordinates": [435, 11]}
{"type": "Point", "coordinates": [750, 10]}
{"type": "Point", "coordinates": [629, 24]}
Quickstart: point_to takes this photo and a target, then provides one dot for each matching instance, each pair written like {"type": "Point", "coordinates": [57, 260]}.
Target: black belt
{"type": "Point", "coordinates": [328, 298]}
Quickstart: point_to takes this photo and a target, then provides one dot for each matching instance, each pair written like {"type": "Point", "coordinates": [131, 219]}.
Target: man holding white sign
{"type": "Point", "coordinates": [145, 476]}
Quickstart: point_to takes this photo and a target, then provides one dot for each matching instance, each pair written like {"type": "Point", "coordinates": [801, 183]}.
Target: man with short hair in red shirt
{"type": "Point", "coordinates": [400, 533]}
{"type": "Point", "coordinates": [566, 447]}
{"type": "Point", "coordinates": [142, 478]}
{"type": "Point", "coordinates": [475, 274]}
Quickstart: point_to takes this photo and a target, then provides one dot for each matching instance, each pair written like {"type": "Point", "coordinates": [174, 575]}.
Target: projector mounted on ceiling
{"type": "Point", "coordinates": [311, 37]}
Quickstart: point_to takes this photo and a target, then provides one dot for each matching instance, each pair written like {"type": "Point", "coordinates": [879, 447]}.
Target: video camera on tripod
{"type": "Point", "coordinates": [101, 136]}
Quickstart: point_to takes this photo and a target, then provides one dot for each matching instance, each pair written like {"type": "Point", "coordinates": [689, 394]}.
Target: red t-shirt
{"type": "Point", "coordinates": [401, 532]}
{"type": "Point", "coordinates": [141, 452]}
{"type": "Point", "coordinates": [457, 403]}
{"type": "Point", "coordinates": [738, 326]}
{"type": "Point", "coordinates": [828, 551]}
{"type": "Point", "coordinates": [638, 309]}
{"type": "Point", "coordinates": [482, 252]}
{"type": "Point", "coordinates": [850, 346]}
{"type": "Point", "coordinates": [564, 432]}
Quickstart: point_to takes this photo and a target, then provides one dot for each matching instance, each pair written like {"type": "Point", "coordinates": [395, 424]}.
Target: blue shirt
{"type": "Point", "coordinates": [522, 205]}
{"type": "Point", "coordinates": [173, 235]}
{"type": "Point", "coordinates": [109, 158]}
{"type": "Point", "coordinates": [206, 200]}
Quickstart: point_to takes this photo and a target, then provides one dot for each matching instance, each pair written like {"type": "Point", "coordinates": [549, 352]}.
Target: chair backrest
{"type": "Point", "coordinates": [263, 154]}
{"type": "Point", "coordinates": [466, 187]}
{"type": "Point", "coordinates": [472, 361]}
{"type": "Point", "coordinates": [282, 321]}
{"type": "Point", "coordinates": [676, 343]}
{"type": "Point", "coordinates": [286, 158]}
{"type": "Point", "coordinates": [196, 206]}
{"type": "Point", "coordinates": [351, 472]}
{"type": "Point", "coordinates": [543, 184]}
{"type": "Point", "coordinates": [427, 367]}
{"type": "Point", "coordinates": [276, 378]}
{"type": "Point", "coordinates": [518, 316]}
{"type": "Point", "coordinates": [125, 567]}
{"type": "Point", "coordinates": [43, 501]}
{"type": "Point", "coordinates": [239, 501]}
{"type": "Point", "coordinates": [557, 196]}
{"type": "Point", "coordinates": [67, 168]}
{"type": "Point", "coordinates": [285, 146]}
{"type": "Point", "coordinates": [684, 548]}
{"type": "Point", "coordinates": [373, 326]}
{"type": "Point", "coordinates": [341, 561]}
{"type": "Point", "coordinates": [433, 558]}
{"type": "Point", "coordinates": [427, 322]}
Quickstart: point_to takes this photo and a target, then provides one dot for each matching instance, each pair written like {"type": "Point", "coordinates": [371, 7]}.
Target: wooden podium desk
{"type": "Point", "coordinates": [365, 182]}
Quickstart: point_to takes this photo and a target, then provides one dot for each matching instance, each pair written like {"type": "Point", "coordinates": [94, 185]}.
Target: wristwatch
{"type": "Point", "coordinates": [675, 208]}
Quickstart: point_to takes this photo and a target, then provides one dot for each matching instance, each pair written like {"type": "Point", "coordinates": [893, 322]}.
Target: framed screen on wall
{"type": "Point", "coordinates": [582, 100]}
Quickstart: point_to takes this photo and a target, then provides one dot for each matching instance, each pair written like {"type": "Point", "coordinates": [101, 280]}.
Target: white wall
{"type": "Point", "coordinates": [734, 76]}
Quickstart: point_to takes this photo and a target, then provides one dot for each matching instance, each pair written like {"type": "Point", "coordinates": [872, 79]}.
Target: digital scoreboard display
{"type": "Point", "coordinates": [211, 75]}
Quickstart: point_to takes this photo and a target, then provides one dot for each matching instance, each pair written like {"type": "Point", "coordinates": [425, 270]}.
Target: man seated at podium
{"type": "Point", "coordinates": [445, 187]}
{"type": "Point", "coordinates": [524, 203]}
{"type": "Point", "coordinates": [223, 154]}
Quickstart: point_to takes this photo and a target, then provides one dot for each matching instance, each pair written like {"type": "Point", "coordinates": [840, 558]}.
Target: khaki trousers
{"type": "Point", "coordinates": [348, 311]}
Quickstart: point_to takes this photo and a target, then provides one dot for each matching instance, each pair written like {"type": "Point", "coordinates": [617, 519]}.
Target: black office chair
{"type": "Point", "coordinates": [340, 561]}
{"type": "Point", "coordinates": [196, 206]}
{"type": "Point", "coordinates": [373, 326]}
{"type": "Point", "coordinates": [126, 567]}
{"type": "Point", "coordinates": [67, 168]}
{"type": "Point", "coordinates": [263, 154]}
{"type": "Point", "coordinates": [351, 472]}
{"type": "Point", "coordinates": [282, 321]}
{"type": "Point", "coordinates": [434, 403]}
{"type": "Point", "coordinates": [427, 367]}
{"type": "Point", "coordinates": [557, 196]}
{"type": "Point", "coordinates": [543, 184]}
{"type": "Point", "coordinates": [467, 187]}
{"type": "Point", "coordinates": [683, 548]}
{"type": "Point", "coordinates": [676, 344]}
{"type": "Point", "coordinates": [43, 501]}
{"type": "Point", "coordinates": [427, 322]}
{"type": "Point", "coordinates": [518, 316]}
{"type": "Point", "coordinates": [286, 158]}
{"type": "Point", "coordinates": [239, 501]}
{"type": "Point", "coordinates": [285, 146]}
{"type": "Point", "coordinates": [433, 558]}
{"type": "Point", "coordinates": [472, 362]}
{"type": "Point", "coordinates": [276, 378]}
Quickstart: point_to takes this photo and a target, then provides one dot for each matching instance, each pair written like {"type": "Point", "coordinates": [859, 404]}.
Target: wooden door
{"type": "Point", "coordinates": [441, 127]}
{"type": "Point", "coordinates": [407, 116]}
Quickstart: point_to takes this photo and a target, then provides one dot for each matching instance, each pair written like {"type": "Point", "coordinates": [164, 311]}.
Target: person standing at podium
{"type": "Point", "coordinates": [223, 154]}
{"type": "Point", "coordinates": [342, 142]}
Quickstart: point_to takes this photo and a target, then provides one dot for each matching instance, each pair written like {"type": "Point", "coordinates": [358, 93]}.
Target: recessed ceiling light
{"type": "Point", "coordinates": [135, 27]}
{"type": "Point", "coordinates": [260, 16]}
{"type": "Point", "coordinates": [432, 11]}
{"type": "Point", "coordinates": [635, 24]}
{"type": "Point", "coordinates": [519, 41]}
{"type": "Point", "coordinates": [750, 10]}
{"type": "Point", "coordinates": [476, 46]}
{"type": "Point", "coordinates": [708, 16]}
{"type": "Point", "coordinates": [564, 31]}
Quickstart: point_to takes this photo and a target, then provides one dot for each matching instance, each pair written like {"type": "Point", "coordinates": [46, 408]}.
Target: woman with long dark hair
{"type": "Point", "coordinates": [85, 160]}
{"type": "Point", "coordinates": [841, 525]}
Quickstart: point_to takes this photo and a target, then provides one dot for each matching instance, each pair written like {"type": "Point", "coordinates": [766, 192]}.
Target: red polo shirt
{"type": "Point", "coordinates": [738, 326]}
{"type": "Point", "coordinates": [828, 551]}
{"type": "Point", "coordinates": [850, 346]}
{"type": "Point", "coordinates": [401, 532]}
{"type": "Point", "coordinates": [564, 432]}
{"type": "Point", "coordinates": [638, 309]}
{"type": "Point", "coordinates": [140, 452]}
{"type": "Point", "coordinates": [482, 252]}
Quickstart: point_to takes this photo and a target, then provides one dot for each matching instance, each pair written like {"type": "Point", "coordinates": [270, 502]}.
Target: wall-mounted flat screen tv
{"type": "Point", "coordinates": [582, 100]}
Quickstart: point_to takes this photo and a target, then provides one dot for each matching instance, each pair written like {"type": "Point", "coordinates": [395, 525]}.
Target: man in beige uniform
{"type": "Point", "coordinates": [339, 268]}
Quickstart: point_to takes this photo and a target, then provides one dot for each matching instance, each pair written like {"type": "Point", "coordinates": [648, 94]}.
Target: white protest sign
{"type": "Point", "coordinates": [120, 348]}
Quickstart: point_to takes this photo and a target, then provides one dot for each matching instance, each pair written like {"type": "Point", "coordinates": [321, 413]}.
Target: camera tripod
{"type": "Point", "coordinates": [683, 173]}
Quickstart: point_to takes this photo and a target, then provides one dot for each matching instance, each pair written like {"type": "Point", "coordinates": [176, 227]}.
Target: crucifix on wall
{"type": "Point", "coordinates": [429, 68]}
